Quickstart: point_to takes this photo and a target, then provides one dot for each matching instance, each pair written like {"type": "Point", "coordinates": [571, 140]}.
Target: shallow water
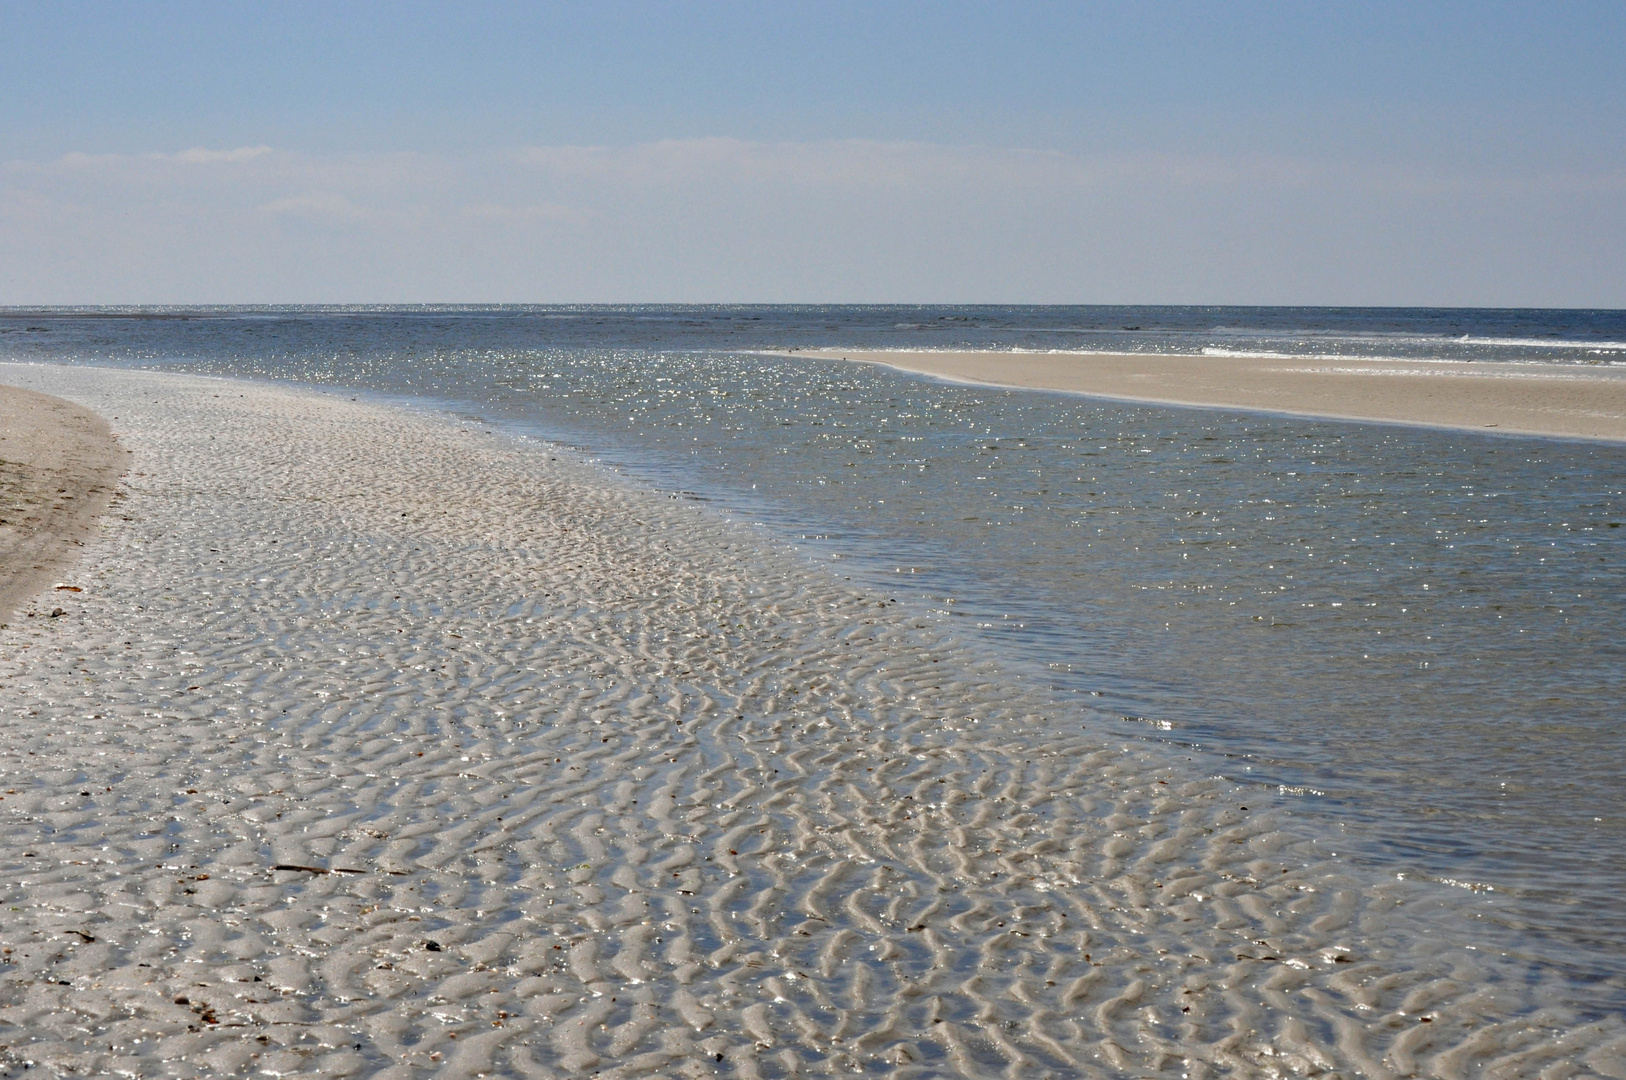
{"type": "Point", "coordinates": [1414, 635]}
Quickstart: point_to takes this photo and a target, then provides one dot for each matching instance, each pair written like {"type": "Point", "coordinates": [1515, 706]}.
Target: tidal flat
{"type": "Point", "coordinates": [380, 741]}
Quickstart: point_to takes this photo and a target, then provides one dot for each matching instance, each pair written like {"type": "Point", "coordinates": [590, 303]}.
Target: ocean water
{"type": "Point", "coordinates": [1414, 639]}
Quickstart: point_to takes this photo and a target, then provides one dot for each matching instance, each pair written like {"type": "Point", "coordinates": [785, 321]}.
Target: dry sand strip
{"type": "Point", "coordinates": [1524, 399]}
{"type": "Point", "coordinates": [59, 466]}
{"type": "Point", "coordinates": [379, 744]}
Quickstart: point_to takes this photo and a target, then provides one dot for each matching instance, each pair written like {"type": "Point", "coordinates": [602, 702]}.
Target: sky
{"type": "Point", "coordinates": [1256, 153]}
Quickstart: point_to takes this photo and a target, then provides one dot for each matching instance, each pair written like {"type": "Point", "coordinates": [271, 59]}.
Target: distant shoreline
{"type": "Point", "coordinates": [1515, 399]}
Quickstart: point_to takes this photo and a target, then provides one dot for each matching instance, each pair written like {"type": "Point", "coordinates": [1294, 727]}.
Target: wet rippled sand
{"type": "Point", "coordinates": [377, 743]}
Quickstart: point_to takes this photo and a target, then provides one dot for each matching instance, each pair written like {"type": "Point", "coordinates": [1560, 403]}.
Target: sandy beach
{"type": "Point", "coordinates": [378, 742]}
{"type": "Point", "coordinates": [58, 468]}
{"type": "Point", "coordinates": [1529, 399]}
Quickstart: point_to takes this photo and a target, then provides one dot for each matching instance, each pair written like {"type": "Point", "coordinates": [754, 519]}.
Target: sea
{"type": "Point", "coordinates": [1412, 639]}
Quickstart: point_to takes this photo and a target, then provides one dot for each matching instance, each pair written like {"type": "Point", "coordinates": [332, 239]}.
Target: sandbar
{"type": "Point", "coordinates": [59, 465]}
{"type": "Point", "coordinates": [1569, 401]}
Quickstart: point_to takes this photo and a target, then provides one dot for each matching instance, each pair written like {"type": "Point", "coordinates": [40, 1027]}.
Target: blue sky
{"type": "Point", "coordinates": [1182, 153]}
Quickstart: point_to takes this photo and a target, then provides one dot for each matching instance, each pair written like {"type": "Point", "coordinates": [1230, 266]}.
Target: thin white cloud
{"type": "Point", "coordinates": [845, 162]}
{"type": "Point", "coordinates": [846, 219]}
{"type": "Point", "coordinates": [319, 204]}
{"type": "Point", "coordinates": [199, 156]}
{"type": "Point", "coordinates": [535, 212]}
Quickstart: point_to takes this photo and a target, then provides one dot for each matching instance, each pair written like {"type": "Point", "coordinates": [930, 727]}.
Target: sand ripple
{"type": "Point", "coordinates": [376, 743]}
